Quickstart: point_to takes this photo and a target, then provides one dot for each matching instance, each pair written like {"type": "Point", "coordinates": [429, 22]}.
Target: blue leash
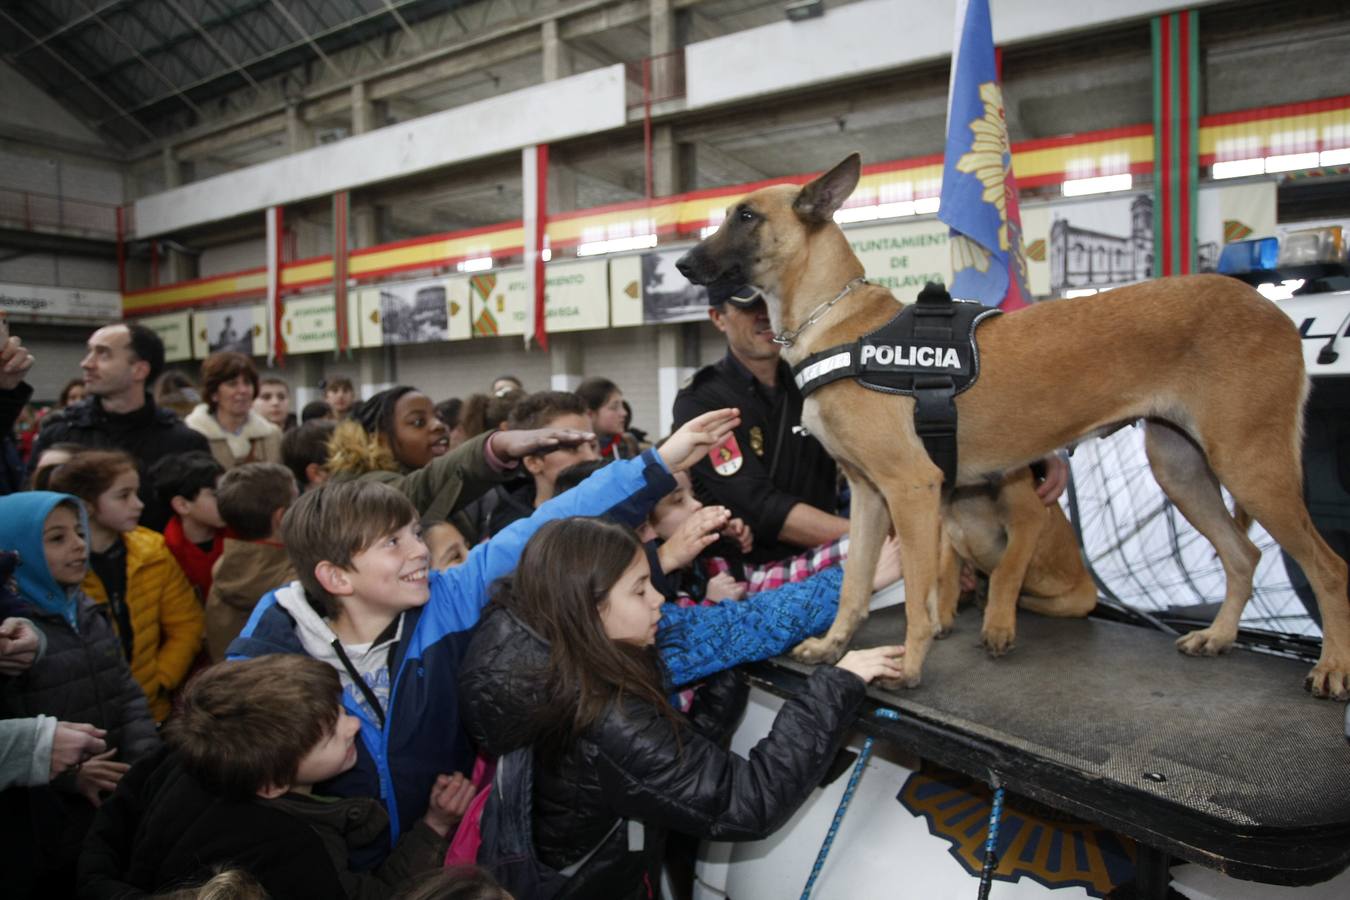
{"type": "Point", "coordinates": [843, 805]}
{"type": "Point", "coordinates": [995, 814]}
{"type": "Point", "coordinates": [991, 843]}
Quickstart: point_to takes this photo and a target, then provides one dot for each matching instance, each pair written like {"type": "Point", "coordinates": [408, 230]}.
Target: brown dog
{"type": "Point", "coordinates": [1028, 550]}
{"type": "Point", "coordinates": [1215, 369]}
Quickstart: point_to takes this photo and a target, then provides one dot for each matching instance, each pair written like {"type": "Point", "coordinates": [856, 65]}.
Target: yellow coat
{"type": "Point", "coordinates": [166, 619]}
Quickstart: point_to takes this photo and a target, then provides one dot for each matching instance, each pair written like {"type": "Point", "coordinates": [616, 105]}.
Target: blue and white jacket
{"type": "Point", "coordinates": [423, 736]}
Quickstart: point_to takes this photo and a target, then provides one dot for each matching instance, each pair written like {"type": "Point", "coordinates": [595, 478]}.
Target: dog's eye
{"type": "Point", "coordinates": [746, 215]}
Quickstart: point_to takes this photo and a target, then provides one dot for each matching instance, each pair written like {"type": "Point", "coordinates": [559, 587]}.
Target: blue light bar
{"type": "Point", "coordinates": [1249, 256]}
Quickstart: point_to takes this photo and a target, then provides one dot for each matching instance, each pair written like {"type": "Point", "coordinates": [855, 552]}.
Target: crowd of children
{"type": "Point", "coordinates": [340, 648]}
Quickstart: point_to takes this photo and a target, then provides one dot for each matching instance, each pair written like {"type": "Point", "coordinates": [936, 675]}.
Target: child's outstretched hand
{"type": "Point", "coordinates": [723, 587]}
{"type": "Point", "coordinates": [99, 774]}
{"type": "Point", "coordinates": [888, 565]}
{"type": "Point", "coordinates": [696, 437]}
{"type": "Point", "coordinates": [689, 540]}
{"type": "Point", "coordinates": [18, 646]}
{"type": "Point", "coordinates": [510, 445]}
{"type": "Point", "coordinates": [878, 662]}
{"type": "Point", "coordinates": [739, 534]}
{"type": "Point", "coordinates": [450, 797]}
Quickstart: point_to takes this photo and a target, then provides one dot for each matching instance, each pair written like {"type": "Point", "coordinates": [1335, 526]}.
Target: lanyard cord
{"type": "Point", "coordinates": [360, 682]}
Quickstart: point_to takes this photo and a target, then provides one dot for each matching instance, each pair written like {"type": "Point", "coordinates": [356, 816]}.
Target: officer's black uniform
{"type": "Point", "coordinates": [779, 467]}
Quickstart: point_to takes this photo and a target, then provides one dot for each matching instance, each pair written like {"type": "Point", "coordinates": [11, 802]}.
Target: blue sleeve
{"type": "Point", "coordinates": [696, 641]}
{"type": "Point", "coordinates": [458, 595]}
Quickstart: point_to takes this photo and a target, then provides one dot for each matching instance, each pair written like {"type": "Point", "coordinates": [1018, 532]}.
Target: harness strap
{"type": "Point", "coordinates": [935, 423]}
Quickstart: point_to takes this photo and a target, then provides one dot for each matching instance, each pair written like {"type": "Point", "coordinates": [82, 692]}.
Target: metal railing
{"type": "Point", "coordinates": [34, 211]}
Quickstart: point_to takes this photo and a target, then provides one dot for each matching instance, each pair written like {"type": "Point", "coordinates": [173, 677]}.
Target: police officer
{"type": "Point", "coordinates": [780, 481]}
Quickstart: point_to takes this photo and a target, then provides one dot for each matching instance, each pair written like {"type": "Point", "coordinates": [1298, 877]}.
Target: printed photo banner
{"type": "Point", "coordinates": [1107, 241]}
{"type": "Point", "coordinates": [242, 329]}
{"type": "Point", "coordinates": [175, 330]}
{"type": "Point", "coordinates": [423, 311]}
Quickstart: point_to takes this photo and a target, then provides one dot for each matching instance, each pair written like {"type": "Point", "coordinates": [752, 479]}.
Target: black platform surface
{"type": "Point", "coordinates": [1226, 762]}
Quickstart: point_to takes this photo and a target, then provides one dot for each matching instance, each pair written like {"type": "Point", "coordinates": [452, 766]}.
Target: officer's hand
{"type": "Point", "coordinates": [696, 437]}
{"type": "Point", "coordinates": [697, 532]}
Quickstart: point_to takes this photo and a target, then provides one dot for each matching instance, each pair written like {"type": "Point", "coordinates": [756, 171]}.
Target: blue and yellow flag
{"type": "Point", "coordinates": [979, 196]}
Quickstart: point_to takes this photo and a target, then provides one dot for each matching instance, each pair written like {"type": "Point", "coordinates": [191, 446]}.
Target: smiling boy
{"type": "Point", "coordinates": [367, 603]}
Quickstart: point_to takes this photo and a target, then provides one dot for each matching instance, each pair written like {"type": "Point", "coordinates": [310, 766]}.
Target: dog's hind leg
{"type": "Point", "coordinates": [949, 585]}
{"type": "Point", "coordinates": [1265, 476]}
{"type": "Point", "coordinates": [869, 522]}
{"type": "Point", "coordinates": [1186, 478]}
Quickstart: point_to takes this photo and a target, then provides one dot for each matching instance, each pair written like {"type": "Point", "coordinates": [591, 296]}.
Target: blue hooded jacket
{"type": "Point", "coordinates": [423, 736]}
{"type": "Point", "coordinates": [22, 517]}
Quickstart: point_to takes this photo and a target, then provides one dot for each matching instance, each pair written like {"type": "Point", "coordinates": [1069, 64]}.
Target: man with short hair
{"type": "Point", "coordinates": [768, 472]}
{"type": "Point", "coordinates": [119, 414]}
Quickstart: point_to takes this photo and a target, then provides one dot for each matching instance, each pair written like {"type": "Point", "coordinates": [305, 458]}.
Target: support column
{"type": "Point", "coordinates": [364, 216]}
{"type": "Point", "coordinates": [299, 136]}
{"type": "Point", "coordinates": [567, 362]}
{"type": "Point", "coordinates": [175, 265]}
{"type": "Point", "coordinates": [1176, 126]}
{"type": "Point", "coordinates": [676, 360]}
{"type": "Point", "coordinates": [173, 170]}
{"type": "Point", "coordinates": [557, 55]}
{"type": "Point", "coordinates": [665, 161]}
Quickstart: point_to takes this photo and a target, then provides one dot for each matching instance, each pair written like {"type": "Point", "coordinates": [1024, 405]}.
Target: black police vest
{"type": "Point", "coordinates": [928, 351]}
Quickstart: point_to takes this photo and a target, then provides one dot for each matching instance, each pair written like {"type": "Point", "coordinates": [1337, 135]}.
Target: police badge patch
{"type": "Point", "coordinates": [726, 456]}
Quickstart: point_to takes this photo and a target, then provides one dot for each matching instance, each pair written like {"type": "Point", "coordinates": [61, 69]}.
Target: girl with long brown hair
{"type": "Point", "coordinates": [566, 661]}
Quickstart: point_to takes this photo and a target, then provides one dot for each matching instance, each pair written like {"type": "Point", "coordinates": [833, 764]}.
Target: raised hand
{"type": "Point", "coordinates": [697, 436]}
{"type": "Point", "coordinates": [18, 646]}
{"type": "Point", "coordinates": [510, 445]}
{"type": "Point", "coordinates": [698, 531]}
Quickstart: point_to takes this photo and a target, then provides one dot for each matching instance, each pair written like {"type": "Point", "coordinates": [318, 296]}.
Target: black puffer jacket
{"type": "Point", "coordinates": [81, 678]}
{"type": "Point", "coordinates": [631, 765]}
{"type": "Point", "coordinates": [148, 434]}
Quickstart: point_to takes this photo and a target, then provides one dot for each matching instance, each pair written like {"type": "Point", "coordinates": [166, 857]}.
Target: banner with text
{"type": "Point", "coordinates": [175, 330]}
{"type": "Point", "coordinates": [60, 303]}
{"type": "Point", "coordinates": [309, 324]}
{"type": "Point", "coordinates": [904, 256]}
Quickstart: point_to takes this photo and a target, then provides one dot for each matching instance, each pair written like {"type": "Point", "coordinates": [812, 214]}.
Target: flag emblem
{"type": "Point", "coordinates": [726, 456]}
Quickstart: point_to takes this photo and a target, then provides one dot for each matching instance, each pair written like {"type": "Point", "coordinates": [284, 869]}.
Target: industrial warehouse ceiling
{"type": "Point", "coordinates": [136, 70]}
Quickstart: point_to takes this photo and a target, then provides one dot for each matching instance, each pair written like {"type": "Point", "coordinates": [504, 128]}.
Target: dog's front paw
{"type": "Point", "coordinates": [818, 650]}
{"type": "Point", "coordinates": [1205, 642]}
{"type": "Point", "coordinates": [1328, 681]}
{"type": "Point", "coordinates": [998, 641]}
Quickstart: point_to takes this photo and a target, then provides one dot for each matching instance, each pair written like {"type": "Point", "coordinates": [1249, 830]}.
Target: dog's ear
{"type": "Point", "coordinates": [818, 200]}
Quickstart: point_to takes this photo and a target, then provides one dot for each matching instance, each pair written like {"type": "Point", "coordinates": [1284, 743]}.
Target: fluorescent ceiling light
{"type": "Point", "coordinates": [1291, 161]}
{"type": "Point", "coordinates": [927, 205]}
{"type": "Point", "coordinates": [1238, 168]}
{"type": "Point", "coordinates": [855, 214]}
{"type": "Point", "coordinates": [1102, 184]}
{"type": "Point", "coordinates": [1336, 157]}
{"type": "Point", "coordinates": [481, 264]}
{"type": "Point", "coordinates": [617, 245]}
{"type": "Point", "coordinates": [1079, 292]}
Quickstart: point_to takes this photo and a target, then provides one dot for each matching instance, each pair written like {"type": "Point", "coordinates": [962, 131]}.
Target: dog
{"type": "Point", "coordinates": [1214, 369]}
{"type": "Point", "coordinates": [1028, 549]}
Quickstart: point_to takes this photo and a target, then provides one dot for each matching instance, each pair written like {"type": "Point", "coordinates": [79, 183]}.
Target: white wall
{"type": "Point", "coordinates": [569, 107]}
{"type": "Point", "coordinates": [876, 36]}
{"type": "Point", "coordinates": [227, 258]}
{"type": "Point", "coordinates": [56, 361]}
